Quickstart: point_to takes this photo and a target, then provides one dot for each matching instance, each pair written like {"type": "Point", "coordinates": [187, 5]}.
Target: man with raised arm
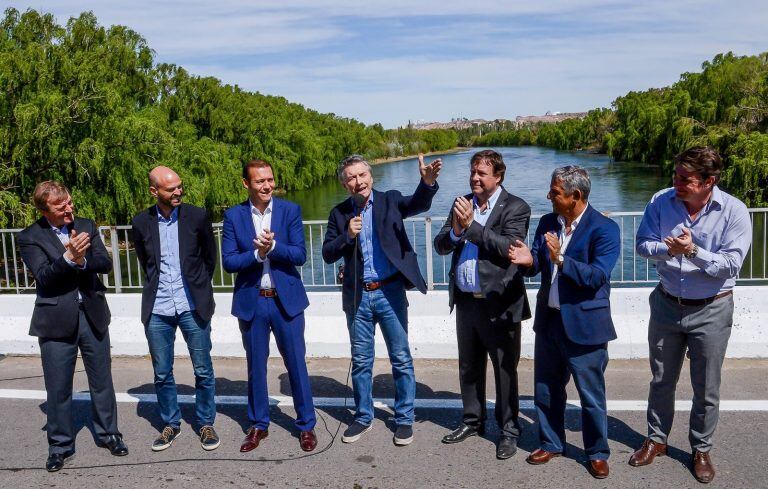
{"type": "Point", "coordinates": [65, 255]}
{"type": "Point", "coordinates": [575, 248]}
{"type": "Point", "coordinates": [177, 252]}
{"type": "Point", "coordinates": [698, 237]}
{"type": "Point", "coordinates": [367, 230]}
{"type": "Point", "coordinates": [489, 296]}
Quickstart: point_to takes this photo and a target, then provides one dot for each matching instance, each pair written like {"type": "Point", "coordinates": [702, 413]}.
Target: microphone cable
{"type": "Point", "coordinates": [334, 435]}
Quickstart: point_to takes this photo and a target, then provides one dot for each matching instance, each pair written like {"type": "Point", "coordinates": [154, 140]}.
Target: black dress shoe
{"type": "Point", "coordinates": [56, 460]}
{"type": "Point", "coordinates": [462, 433]}
{"type": "Point", "coordinates": [506, 447]}
{"type": "Point", "coordinates": [115, 445]}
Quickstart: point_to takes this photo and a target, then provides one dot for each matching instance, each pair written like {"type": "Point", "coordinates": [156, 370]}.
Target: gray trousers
{"type": "Point", "coordinates": [59, 356]}
{"type": "Point", "coordinates": [704, 330]}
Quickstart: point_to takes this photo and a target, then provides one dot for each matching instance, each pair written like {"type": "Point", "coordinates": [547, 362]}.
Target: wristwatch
{"type": "Point", "coordinates": [692, 254]}
{"type": "Point", "coordinates": [560, 260]}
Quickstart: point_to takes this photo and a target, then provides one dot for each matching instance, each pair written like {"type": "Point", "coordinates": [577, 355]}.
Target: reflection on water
{"type": "Point", "coordinates": [615, 186]}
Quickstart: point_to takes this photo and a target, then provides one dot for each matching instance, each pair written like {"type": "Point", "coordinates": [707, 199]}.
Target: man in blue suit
{"type": "Point", "coordinates": [575, 249]}
{"type": "Point", "coordinates": [367, 230]}
{"type": "Point", "coordinates": [264, 243]}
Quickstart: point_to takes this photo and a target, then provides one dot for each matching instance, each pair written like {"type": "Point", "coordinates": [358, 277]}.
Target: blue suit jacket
{"type": "Point", "coordinates": [389, 210]}
{"type": "Point", "coordinates": [584, 281]}
{"type": "Point", "coordinates": [290, 252]}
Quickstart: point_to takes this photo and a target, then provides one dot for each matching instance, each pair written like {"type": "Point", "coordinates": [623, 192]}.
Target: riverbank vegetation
{"type": "Point", "coordinates": [725, 106]}
{"type": "Point", "coordinates": [89, 106]}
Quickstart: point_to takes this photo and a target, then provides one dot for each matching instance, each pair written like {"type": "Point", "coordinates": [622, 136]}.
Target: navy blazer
{"type": "Point", "coordinates": [389, 210]}
{"type": "Point", "coordinates": [197, 257]}
{"type": "Point", "coordinates": [56, 312]}
{"type": "Point", "coordinates": [584, 283]}
{"type": "Point", "coordinates": [290, 252]}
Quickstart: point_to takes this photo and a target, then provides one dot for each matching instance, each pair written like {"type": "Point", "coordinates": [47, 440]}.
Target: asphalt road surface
{"type": "Point", "coordinates": [739, 455]}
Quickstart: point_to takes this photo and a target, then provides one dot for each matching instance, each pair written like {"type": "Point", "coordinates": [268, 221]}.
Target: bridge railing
{"type": "Point", "coordinates": [126, 276]}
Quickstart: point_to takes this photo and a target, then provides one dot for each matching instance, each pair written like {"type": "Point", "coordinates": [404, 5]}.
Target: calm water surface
{"type": "Point", "coordinates": [615, 186]}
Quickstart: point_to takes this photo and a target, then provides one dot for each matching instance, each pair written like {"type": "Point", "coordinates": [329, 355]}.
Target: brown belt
{"type": "Point", "coordinates": [268, 292]}
{"type": "Point", "coordinates": [694, 302]}
{"type": "Point", "coordinates": [371, 286]}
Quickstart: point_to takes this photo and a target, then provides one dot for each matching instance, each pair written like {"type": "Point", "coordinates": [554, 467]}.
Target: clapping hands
{"type": "Point", "coordinates": [264, 242]}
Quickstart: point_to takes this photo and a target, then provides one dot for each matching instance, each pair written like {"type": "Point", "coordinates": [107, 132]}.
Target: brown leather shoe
{"type": "Point", "coordinates": [308, 440]}
{"type": "Point", "coordinates": [598, 468]}
{"type": "Point", "coordinates": [252, 438]}
{"type": "Point", "coordinates": [540, 456]}
{"type": "Point", "coordinates": [703, 470]}
{"type": "Point", "coordinates": [646, 453]}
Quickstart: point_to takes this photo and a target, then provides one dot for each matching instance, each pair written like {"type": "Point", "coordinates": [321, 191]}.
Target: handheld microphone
{"type": "Point", "coordinates": [359, 200]}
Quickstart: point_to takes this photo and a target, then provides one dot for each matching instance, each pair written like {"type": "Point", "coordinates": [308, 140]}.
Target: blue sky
{"type": "Point", "coordinates": [398, 60]}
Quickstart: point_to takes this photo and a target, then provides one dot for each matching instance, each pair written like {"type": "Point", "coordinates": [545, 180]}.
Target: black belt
{"type": "Point", "coordinates": [371, 286]}
{"type": "Point", "coordinates": [694, 302]}
{"type": "Point", "coordinates": [268, 292]}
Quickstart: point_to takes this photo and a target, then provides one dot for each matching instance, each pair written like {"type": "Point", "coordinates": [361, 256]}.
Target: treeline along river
{"type": "Point", "coordinates": [616, 188]}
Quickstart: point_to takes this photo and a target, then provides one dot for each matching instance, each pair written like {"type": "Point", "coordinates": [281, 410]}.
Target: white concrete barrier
{"type": "Point", "coordinates": [431, 329]}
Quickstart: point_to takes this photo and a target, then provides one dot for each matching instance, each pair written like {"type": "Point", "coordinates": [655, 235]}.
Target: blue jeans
{"type": "Point", "coordinates": [388, 307]}
{"type": "Point", "coordinates": [161, 333]}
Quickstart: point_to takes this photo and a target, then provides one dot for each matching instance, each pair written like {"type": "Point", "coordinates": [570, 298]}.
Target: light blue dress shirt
{"type": "Point", "coordinates": [722, 231]}
{"type": "Point", "coordinates": [376, 265]}
{"type": "Point", "coordinates": [172, 293]}
{"type": "Point", "coordinates": [467, 274]}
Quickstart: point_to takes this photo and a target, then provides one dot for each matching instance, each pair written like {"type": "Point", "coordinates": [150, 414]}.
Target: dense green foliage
{"type": "Point", "coordinates": [87, 105]}
{"type": "Point", "coordinates": [725, 106]}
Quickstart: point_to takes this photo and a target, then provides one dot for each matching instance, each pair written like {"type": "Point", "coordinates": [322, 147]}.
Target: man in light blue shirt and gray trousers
{"type": "Point", "coordinates": [698, 237]}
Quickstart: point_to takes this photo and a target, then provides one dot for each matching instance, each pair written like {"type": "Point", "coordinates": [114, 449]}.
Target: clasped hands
{"type": "Point", "coordinates": [77, 246]}
{"type": "Point", "coordinates": [264, 242]}
{"type": "Point", "coordinates": [520, 254]}
{"type": "Point", "coordinates": [680, 245]}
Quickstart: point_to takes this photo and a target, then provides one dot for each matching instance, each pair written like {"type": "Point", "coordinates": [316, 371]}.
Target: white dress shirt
{"type": "Point", "coordinates": [263, 222]}
{"type": "Point", "coordinates": [565, 239]}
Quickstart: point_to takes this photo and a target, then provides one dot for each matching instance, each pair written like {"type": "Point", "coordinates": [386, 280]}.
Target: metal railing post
{"type": "Point", "coordinates": [428, 252]}
{"type": "Point", "coordinates": [116, 259]}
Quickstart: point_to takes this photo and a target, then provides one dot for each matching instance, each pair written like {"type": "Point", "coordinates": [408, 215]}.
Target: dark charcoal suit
{"type": "Point", "coordinates": [490, 325]}
{"type": "Point", "coordinates": [62, 324]}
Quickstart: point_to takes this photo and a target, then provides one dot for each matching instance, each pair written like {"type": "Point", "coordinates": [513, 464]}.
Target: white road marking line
{"type": "Point", "coordinates": [286, 401]}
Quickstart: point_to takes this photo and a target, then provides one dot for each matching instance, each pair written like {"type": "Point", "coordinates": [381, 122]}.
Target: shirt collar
{"type": "Point", "coordinates": [172, 218]}
{"type": "Point", "coordinates": [491, 200]}
{"type": "Point", "coordinates": [716, 197]}
{"type": "Point", "coordinates": [575, 222]}
{"type": "Point", "coordinates": [62, 230]}
{"type": "Point", "coordinates": [268, 210]}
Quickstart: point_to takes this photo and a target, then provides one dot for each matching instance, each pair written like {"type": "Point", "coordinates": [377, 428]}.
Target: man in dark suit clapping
{"type": "Point", "coordinates": [65, 255]}
{"type": "Point", "coordinates": [489, 296]}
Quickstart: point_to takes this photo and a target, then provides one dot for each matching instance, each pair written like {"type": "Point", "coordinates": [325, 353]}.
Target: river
{"type": "Point", "coordinates": [616, 187]}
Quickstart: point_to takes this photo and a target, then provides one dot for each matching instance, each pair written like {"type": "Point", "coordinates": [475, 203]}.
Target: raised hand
{"type": "Point", "coordinates": [429, 172]}
{"type": "Point", "coordinates": [553, 243]}
{"type": "Point", "coordinates": [355, 226]}
{"type": "Point", "coordinates": [520, 254]}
